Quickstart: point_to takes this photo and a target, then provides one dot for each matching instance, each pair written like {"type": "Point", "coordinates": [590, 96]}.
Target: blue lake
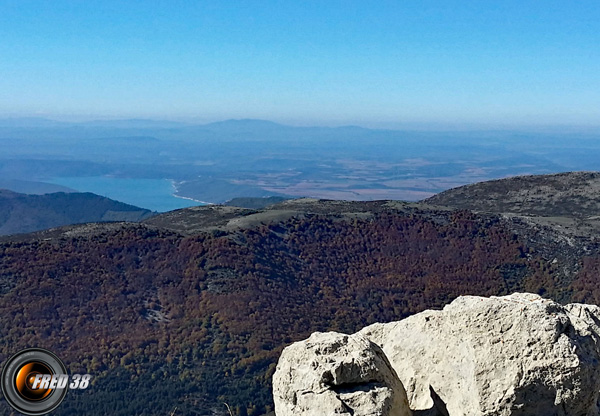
{"type": "Point", "coordinates": [153, 194]}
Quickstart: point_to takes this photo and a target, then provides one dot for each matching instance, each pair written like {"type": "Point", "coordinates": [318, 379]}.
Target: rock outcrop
{"type": "Point", "coordinates": [336, 374]}
{"type": "Point", "coordinates": [511, 355]}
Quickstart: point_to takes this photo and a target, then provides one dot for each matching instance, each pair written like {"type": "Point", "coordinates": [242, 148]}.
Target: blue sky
{"type": "Point", "coordinates": [303, 62]}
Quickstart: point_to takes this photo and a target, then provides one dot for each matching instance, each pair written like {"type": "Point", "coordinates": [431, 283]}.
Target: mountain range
{"type": "Point", "coordinates": [191, 309]}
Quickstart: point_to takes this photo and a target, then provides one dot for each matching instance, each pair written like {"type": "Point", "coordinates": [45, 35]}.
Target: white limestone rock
{"type": "Point", "coordinates": [585, 318]}
{"type": "Point", "coordinates": [337, 374]}
{"type": "Point", "coordinates": [510, 355]}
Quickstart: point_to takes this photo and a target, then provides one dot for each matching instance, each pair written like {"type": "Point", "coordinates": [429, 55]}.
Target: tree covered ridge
{"type": "Point", "coordinates": [165, 320]}
{"type": "Point", "coordinates": [22, 213]}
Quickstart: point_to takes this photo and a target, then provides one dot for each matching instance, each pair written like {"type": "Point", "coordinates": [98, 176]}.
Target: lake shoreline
{"type": "Point", "coordinates": [157, 195]}
{"type": "Point", "coordinates": [176, 189]}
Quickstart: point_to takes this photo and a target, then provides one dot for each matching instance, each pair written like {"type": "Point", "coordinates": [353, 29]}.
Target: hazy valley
{"type": "Point", "coordinates": [252, 158]}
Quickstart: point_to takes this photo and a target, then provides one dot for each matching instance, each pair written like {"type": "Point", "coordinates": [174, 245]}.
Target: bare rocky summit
{"type": "Point", "coordinates": [510, 355]}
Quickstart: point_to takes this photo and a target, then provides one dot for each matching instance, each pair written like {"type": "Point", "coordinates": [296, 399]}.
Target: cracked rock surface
{"type": "Point", "coordinates": [510, 355]}
{"type": "Point", "coordinates": [337, 374]}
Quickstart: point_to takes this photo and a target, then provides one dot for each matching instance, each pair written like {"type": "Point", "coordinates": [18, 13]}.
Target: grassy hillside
{"type": "Point", "coordinates": [255, 203]}
{"type": "Point", "coordinates": [571, 194]}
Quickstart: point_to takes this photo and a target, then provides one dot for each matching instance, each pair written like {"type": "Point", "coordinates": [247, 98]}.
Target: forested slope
{"type": "Point", "coordinates": [167, 318]}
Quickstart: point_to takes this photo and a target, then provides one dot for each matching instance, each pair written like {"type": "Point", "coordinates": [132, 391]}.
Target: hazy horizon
{"type": "Point", "coordinates": [340, 63]}
{"type": "Point", "coordinates": [557, 126]}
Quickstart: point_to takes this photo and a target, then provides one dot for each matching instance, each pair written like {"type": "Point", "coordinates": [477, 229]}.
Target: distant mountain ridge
{"type": "Point", "coordinates": [215, 162]}
{"type": "Point", "coordinates": [32, 187]}
{"type": "Point", "coordinates": [21, 213]}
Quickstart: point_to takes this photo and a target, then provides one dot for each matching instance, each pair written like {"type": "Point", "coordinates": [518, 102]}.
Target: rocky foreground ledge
{"type": "Point", "coordinates": [511, 355]}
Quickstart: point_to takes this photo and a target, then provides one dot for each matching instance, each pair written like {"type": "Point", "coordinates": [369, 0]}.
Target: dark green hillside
{"type": "Point", "coordinates": [164, 320]}
{"type": "Point", "coordinates": [20, 213]}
